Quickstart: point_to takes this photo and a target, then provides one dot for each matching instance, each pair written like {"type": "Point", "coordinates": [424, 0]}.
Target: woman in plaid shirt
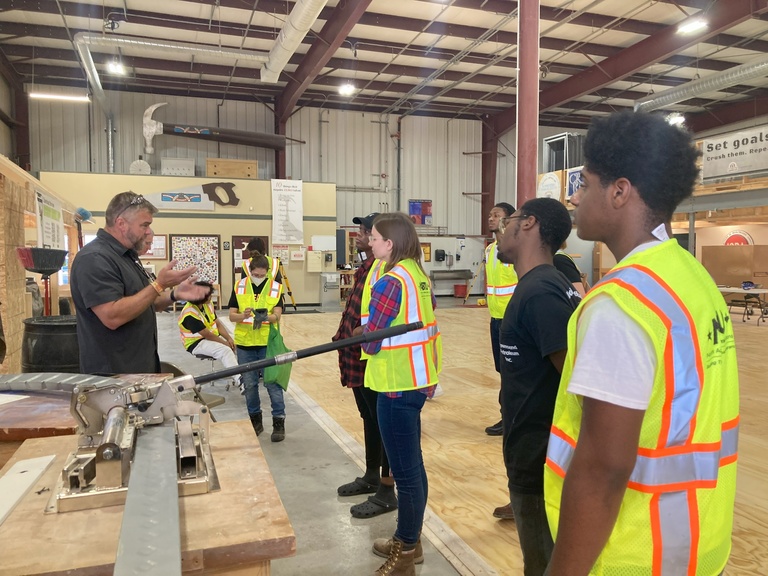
{"type": "Point", "coordinates": [404, 370]}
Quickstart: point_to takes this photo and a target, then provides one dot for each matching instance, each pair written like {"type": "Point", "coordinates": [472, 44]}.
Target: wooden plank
{"type": "Point", "coordinates": [35, 416]}
{"type": "Point", "coordinates": [17, 481]}
{"type": "Point", "coordinates": [228, 168]}
{"type": "Point", "coordinates": [242, 525]}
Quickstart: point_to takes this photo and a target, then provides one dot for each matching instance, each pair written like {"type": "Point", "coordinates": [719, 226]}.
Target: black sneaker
{"type": "Point", "coordinates": [494, 430]}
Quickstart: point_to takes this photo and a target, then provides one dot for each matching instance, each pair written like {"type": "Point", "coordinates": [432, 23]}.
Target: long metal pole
{"type": "Point", "coordinates": [289, 357]}
{"type": "Point", "coordinates": [527, 100]}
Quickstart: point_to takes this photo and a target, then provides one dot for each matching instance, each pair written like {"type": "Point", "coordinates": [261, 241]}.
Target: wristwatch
{"type": "Point", "coordinates": [173, 295]}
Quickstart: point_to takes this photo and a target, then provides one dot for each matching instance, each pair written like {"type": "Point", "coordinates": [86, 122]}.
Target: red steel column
{"type": "Point", "coordinates": [527, 100]}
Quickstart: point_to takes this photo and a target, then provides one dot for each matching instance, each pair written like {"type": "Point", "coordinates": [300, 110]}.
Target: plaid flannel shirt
{"type": "Point", "coordinates": [351, 367]}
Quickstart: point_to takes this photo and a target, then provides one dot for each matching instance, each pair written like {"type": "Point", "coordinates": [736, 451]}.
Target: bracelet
{"type": "Point", "coordinates": [156, 285]}
{"type": "Point", "coordinates": [173, 295]}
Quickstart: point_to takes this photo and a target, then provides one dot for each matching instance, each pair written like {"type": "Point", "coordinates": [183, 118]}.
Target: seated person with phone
{"type": "Point", "coordinates": [257, 302]}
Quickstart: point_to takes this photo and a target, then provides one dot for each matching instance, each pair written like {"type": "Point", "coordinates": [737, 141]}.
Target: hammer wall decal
{"type": "Point", "coordinates": [154, 128]}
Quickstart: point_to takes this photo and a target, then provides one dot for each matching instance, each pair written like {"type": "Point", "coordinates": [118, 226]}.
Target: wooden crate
{"type": "Point", "coordinates": [226, 168]}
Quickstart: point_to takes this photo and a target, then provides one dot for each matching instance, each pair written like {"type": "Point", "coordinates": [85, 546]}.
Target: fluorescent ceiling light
{"type": "Point", "coordinates": [691, 26]}
{"type": "Point", "coordinates": [116, 67]}
{"type": "Point", "coordinates": [347, 89]}
{"type": "Point", "coordinates": [65, 97]}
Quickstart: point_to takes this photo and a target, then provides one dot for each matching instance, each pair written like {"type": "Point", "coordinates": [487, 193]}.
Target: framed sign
{"type": "Point", "coordinates": [201, 250]}
{"type": "Point", "coordinates": [159, 248]}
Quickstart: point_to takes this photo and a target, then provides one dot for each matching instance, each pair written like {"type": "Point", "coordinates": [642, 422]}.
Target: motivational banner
{"type": "Point", "coordinates": [736, 154]}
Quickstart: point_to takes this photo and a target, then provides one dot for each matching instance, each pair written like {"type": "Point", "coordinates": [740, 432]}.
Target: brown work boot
{"type": "Point", "coordinates": [504, 512]}
{"type": "Point", "coordinates": [399, 563]}
{"type": "Point", "coordinates": [383, 546]}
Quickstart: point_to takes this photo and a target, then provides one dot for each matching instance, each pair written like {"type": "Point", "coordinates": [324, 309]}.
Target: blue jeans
{"type": "Point", "coordinates": [400, 425]}
{"type": "Point", "coordinates": [251, 382]}
{"type": "Point", "coordinates": [533, 532]}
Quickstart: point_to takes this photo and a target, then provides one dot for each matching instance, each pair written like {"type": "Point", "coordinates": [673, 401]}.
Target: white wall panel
{"type": "Point", "coordinates": [506, 170]}
{"type": "Point", "coordinates": [52, 124]}
{"type": "Point", "coordinates": [59, 132]}
{"type": "Point", "coordinates": [435, 167]}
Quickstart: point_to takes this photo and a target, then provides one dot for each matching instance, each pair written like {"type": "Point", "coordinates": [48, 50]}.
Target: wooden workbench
{"type": "Point", "coordinates": [236, 530]}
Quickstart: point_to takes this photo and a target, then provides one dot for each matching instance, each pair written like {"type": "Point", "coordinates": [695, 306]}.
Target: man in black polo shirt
{"type": "Point", "coordinates": [532, 342]}
{"type": "Point", "coordinates": [114, 297]}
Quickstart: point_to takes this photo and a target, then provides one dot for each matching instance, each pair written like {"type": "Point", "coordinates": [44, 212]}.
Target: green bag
{"type": "Point", "coordinates": [277, 374]}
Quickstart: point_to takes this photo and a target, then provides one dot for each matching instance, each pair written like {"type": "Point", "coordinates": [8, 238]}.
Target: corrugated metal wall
{"type": "Point", "coordinates": [440, 158]}
{"type": "Point", "coordinates": [441, 162]}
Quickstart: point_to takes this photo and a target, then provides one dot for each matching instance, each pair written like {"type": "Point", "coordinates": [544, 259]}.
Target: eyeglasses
{"type": "Point", "coordinates": [508, 218]}
{"type": "Point", "coordinates": [135, 201]}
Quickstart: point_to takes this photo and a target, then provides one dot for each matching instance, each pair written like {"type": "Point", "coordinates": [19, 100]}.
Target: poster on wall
{"type": "Point", "coordinates": [420, 212]}
{"type": "Point", "coordinates": [201, 250]}
{"type": "Point", "coordinates": [287, 212]}
{"type": "Point", "coordinates": [572, 182]}
{"type": "Point", "coordinates": [50, 221]}
{"type": "Point", "coordinates": [158, 250]}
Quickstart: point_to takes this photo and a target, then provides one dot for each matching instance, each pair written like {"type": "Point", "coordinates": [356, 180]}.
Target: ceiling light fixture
{"type": "Point", "coordinates": [347, 89]}
{"type": "Point", "coordinates": [64, 97]}
{"type": "Point", "coordinates": [675, 119]}
{"type": "Point", "coordinates": [691, 26]}
{"type": "Point", "coordinates": [116, 67]}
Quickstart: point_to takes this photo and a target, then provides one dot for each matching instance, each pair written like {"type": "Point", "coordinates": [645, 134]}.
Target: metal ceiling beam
{"type": "Point", "coordinates": [722, 16]}
{"type": "Point", "coordinates": [595, 21]}
{"type": "Point", "coordinates": [727, 114]}
{"type": "Point", "coordinates": [334, 32]}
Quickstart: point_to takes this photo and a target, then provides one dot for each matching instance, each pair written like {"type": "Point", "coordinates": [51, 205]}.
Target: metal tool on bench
{"type": "Point", "coordinates": [130, 430]}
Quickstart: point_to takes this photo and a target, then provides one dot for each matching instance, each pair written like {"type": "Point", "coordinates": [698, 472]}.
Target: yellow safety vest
{"type": "Point", "coordinates": [414, 359]}
{"type": "Point", "coordinates": [677, 514]}
{"type": "Point", "coordinates": [273, 266]}
{"type": "Point", "coordinates": [245, 334]}
{"type": "Point", "coordinates": [500, 282]}
{"type": "Point", "coordinates": [365, 301]}
{"type": "Point", "coordinates": [205, 314]}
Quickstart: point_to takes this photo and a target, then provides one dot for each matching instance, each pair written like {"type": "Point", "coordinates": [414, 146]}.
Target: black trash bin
{"type": "Point", "coordinates": [50, 345]}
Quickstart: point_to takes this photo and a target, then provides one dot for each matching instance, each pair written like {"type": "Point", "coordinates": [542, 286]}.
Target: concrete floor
{"type": "Point", "coordinates": [316, 457]}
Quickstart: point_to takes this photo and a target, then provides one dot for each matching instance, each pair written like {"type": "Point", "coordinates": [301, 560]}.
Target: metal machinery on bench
{"type": "Point", "coordinates": [143, 442]}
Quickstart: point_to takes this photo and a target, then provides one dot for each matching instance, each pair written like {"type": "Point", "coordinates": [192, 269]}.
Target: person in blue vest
{"type": "Point", "coordinates": [404, 371]}
{"type": "Point", "coordinates": [640, 476]}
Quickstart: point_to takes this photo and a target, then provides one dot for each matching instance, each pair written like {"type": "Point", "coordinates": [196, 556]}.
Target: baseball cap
{"type": "Point", "coordinates": [366, 221]}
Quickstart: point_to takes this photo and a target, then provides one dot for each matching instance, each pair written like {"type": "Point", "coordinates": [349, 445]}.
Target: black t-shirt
{"type": "Point", "coordinates": [567, 267]}
{"type": "Point", "coordinates": [534, 326]}
{"type": "Point", "coordinates": [106, 271]}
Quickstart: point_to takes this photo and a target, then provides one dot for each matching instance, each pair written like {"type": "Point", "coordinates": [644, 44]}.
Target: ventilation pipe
{"type": "Point", "coordinates": [712, 83]}
{"type": "Point", "coordinates": [299, 22]}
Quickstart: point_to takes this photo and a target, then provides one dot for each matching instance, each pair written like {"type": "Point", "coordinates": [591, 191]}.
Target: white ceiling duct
{"type": "Point", "coordinates": [84, 40]}
{"type": "Point", "coordinates": [713, 83]}
{"type": "Point", "coordinates": [299, 22]}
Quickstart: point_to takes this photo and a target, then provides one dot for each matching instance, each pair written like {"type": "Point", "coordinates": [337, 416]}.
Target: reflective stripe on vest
{"type": "Point", "coordinates": [671, 469]}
